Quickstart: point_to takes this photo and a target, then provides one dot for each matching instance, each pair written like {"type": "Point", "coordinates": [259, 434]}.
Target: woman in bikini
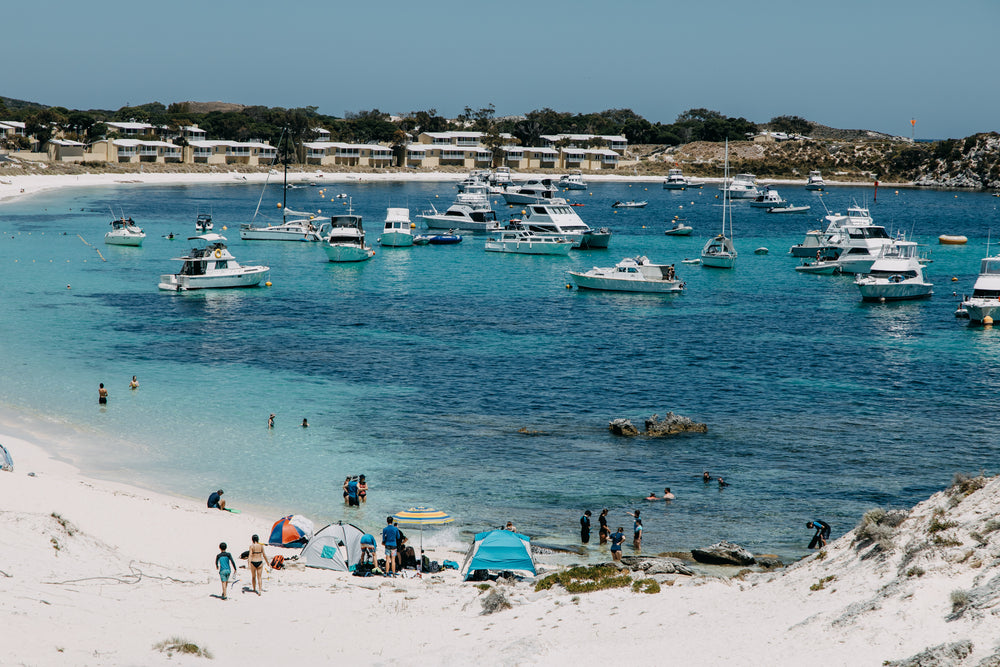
{"type": "Point", "coordinates": [257, 560]}
{"type": "Point", "coordinates": [362, 488]}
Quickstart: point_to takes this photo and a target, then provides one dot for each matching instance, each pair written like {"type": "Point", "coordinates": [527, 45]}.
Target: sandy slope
{"type": "Point", "coordinates": [97, 573]}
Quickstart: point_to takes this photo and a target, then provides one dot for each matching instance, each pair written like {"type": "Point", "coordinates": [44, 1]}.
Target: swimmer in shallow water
{"type": "Point", "coordinates": [652, 496]}
{"type": "Point", "coordinates": [134, 384]}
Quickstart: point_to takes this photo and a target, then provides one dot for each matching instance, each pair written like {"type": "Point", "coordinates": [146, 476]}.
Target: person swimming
{"type": "Point", "coordinates": [652, 496]}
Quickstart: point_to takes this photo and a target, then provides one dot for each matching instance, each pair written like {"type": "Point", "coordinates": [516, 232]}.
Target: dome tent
{"type": "Point", "coordinates": [497, 551]}
{"type": "Point", "coordinates": [334, 547]}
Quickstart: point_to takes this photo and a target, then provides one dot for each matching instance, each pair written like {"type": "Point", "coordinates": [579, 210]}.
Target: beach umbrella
{"type": "Point", "coordinates": [291, 531]}
{"type": "Point", "coordinates": [422, 516]}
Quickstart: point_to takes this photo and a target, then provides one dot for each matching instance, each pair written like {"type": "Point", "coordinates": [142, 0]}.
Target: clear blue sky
{"type": "Point", "coordinates": [854, 64]}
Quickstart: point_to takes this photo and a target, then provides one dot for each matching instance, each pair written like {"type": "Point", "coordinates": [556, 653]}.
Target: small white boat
{"type": "Point", "coordinates": [679, 229]}
{"type": "Point", "coordinates": [346, 241]}
{"type": "Point", "coordinates": [300, 229]}
{"type": "Point", "coordinates": [630, 204]}
{"type": "Point", "coordinates": [896, 275]}
{"type": "Point", "coordinates": [342, 195]}
{"type": "Point", "coordinates": [691, 261]}
{"type": "Point", "coordinates": [769, 198]}
{"type": "Point", "coordinates": [819, 267]}
{"type": "Point", "coordinates": [815, 181]}
{"type": "Point", "coordinates": [521, 241]}
{"type": "Point", "coordinates": [211, 266]}
{"type": "Point", "coordinates": [124, 232]}
{"type": "Point", "coordinates": [572, 181]}
{"type": "Point", "coordinates": [789, 209]}
{"type": "Point", "coordinates": [398, 231]}
{"type": "Point", "coordinates": [203, 223]}
{"type": "Point", "coordinates": [631, 275]}
{"type": "Point", "coordinates": [743, 186]}
{"type": "Point", "coordinates": [678, 181]}
{"type": "Point", "coordinates": [985, 299]}
{"type": "Point", "coordinates": [760, 251]}
{"type": "Point", "coordinates": [719, 252]}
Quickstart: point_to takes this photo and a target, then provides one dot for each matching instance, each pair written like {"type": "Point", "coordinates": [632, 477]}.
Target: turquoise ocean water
{"type": "Point", "coordinates": [419, 367]}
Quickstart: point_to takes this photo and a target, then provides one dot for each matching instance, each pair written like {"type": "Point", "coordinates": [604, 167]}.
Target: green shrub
{"type": "Point", "coordinates": [582, 579]}
{"type": "Point", "coordinates": [650, 586]}
{"type": "Point", "coordinates": [178, 645]}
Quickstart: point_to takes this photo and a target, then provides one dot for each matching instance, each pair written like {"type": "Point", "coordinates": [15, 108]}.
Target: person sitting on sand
{"type": "Point", "coordinates": [225, 564]}
{"type": "Point", "coordinates": [215, 500]}
{"type": "Point", "coordinates": [667, 495]}
{"type": "Point", "coordinates": [617, 539]}
{"type": "Point", "coordinates": [257, 561]}
{"type": "Point", "coordinates": [822, 533]}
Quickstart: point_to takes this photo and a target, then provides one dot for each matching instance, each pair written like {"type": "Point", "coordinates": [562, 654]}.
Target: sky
{"type": "Point", "coordinates": [850, 64]}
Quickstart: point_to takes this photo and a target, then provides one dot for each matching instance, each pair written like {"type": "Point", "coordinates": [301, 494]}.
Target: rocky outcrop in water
{"type": "Point", "coordinates": [671, 424]}
{"type": "Point", "coordinates": [724, 553]}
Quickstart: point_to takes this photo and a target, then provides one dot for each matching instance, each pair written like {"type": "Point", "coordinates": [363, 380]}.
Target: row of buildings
{"type": "Point", "coordinates": [141, 142]}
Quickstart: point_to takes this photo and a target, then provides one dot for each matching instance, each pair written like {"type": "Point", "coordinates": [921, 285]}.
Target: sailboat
{"type": "Point", "coordinates": [305, 228]}
{"type": "Point", "coordinates": [719, 252]}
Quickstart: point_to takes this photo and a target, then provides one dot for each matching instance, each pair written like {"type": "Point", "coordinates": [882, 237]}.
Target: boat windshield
{"type": "Point", "coordinates": [990, 266]}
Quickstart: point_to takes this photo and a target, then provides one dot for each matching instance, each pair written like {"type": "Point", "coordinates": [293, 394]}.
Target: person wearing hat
{"type": "Point", "coordinates": [215, 501]}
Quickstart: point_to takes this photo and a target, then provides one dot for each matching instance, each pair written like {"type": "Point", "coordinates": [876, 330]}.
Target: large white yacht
{"type": "Point", "coordinates": [572, 181]}
{"type": "Point", "coordinates": [815, 181]}
{"type": "Point", "coordinates": [860, 241]}
{"type": "Point", "coordinates": [743, 186]}
{"type": "Point", "coordinates": [557, 218]}
{"type": "Point", "coordinates": [516, 239]}
{"type": "Point", "coordinates": [210, 265]}
{"type": "Point", "coordinates": [830, 242]}
{"type": "Point", "coordinates": [531, 192]}
{"type": "Point", "coordinates": [124, 232]}
{"type": "Point", "coordinates": [346, 241]}
{"type": "Point", "coordinates": [471, 212]}
{"type": "Point", "coordinates": [896, 275]}
{"type": "Point", "coordinates": [985, 299]}
{"type": "Point", "coordinates": [769, 198]}
{"type": "Point", "coordinates": [676, 180]}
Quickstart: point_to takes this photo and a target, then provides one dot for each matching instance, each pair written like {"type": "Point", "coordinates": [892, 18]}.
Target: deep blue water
{"type": "Point", "coordinates": [418, 367]}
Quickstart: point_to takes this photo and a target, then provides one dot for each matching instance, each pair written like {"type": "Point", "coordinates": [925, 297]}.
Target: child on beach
{"type": "Point", "coordinates": [225, 564]}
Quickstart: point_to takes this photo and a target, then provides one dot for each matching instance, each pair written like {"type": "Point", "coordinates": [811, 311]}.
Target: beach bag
{"type": "Point", "coordinates": [363, 570]}
{"type": "Point", "coordinates": [278, 562]}
{"type": "Point", "coordinates": [409, 557]}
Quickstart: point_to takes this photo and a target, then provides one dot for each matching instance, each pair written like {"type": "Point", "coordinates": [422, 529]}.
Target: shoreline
{"type": "Point", "coordinates": [94, 558]}
{"type": "Point", "coordinates": [13, 187]}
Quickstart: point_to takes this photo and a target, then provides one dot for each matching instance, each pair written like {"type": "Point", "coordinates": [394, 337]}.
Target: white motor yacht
{"type": "Point", "coordinates": [557, 218]}
{"type": "Point", "coordinates": [210, 265]}
{"type": "Point", "coordinates": [398, 230]}
{"type": "Point", "coordinates": [516, 239]}
{"type": "Point", "coordinates": [203, 223]}
{"type": "Point", "coordinates": [124, 232]}
{"type": "Point", "coordinates": [676, 180]}
{"type": "Point", "coordinates": [346, 240]}
{"type": "Point", "coordinates": [572, 181]}
{"type": "Point", "coordinates": [475, 177]}
{"type": "Point", "coordinates": [501, 177]}
{"type": "Point", "coordinates": [531, 192]}
{"type": "Point", "coordinates": [815, 181]}
{"type": "Point", "coordinates": [630, 275]}
{"type": "Point", "coordinates": [860, 242]}
{"type": "Point", "coordinates": [769, 198]}
{"type": "Point", "coordinates": [743, 186]}
{"type": "Point", "coordinates": [831, 241]}
{"type": "Point", "coordinates": [471, 212]}
{"type": "Point", "coordinates": [985, 299]}
{"type": "Point", "coordinates": [896, 275]}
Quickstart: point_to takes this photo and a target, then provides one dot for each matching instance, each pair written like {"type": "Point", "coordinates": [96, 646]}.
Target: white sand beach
{"type": "Point", "coordinates": [97, 573]}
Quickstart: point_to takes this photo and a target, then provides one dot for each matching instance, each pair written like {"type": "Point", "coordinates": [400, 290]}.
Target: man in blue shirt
{"type": "Point", "coordinates": [390, 540]}
{"type": "Point", "coordinates": [215, 500]}
{"type": "Point", "coordinates": [368, 548]}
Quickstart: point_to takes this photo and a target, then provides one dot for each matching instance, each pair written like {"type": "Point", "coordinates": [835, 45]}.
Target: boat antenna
{"type": "Point", "coordinates": [268, 178]}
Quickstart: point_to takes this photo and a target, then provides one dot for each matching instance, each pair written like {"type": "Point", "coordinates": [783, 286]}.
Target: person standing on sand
{"type": "Point", "coordinates": [225, 564]}
{"type": "Point", "coordinates": [585, 527]}
{"type": "Point", "coordinates": [603, 532]}
{"type": "Point", "coordinates": [390, 540]}
{"type": "Point", "coordinates": [102, 395]}
{"type": "Point", "coordinates": [617, 539]}
{"type": "Point", "coordinates": [257, 561]}
{"type": "Point", "coordinates": [822, 533]}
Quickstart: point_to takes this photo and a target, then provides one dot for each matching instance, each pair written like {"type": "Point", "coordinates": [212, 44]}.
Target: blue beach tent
{"type": "Point", "coordinates": [499, 550]}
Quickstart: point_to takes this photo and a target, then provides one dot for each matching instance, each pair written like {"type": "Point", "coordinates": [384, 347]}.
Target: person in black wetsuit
{"type": "Point", "coordinates": [603, 533]}
{"type": "Point", "coordinates": [585, 527]}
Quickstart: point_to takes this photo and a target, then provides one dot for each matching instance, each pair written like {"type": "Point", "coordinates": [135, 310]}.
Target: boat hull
{"type": "Point", "coordinates": [878, 290]}
{"type": "Point", "coordinates": [823, 268]}
{"type": "Point", "coordinates": [249, 276]}
{"type": "Point", "coordinates": [679, 231]}
{"type": "Point", "coordinates": [560, 247]}
{"type": "Point", "coordinates": [448, 222]}
{"type": "Point", "coordinates": [572, 186]}
{"type": "Point", "coordinates": [396, 240]}
{"type": "Point", "coordinates": [583, 281]}
{"type": "Point", "coordinates": [337, 252]}
{"type": "Point", "coordinates": [265, 235]}
{"type": "Point", "coordinates": [979, 308]}
{"type": "Point", "coordinates": [594, 240]}
{"type": "Point", "coordinates": [133, 241]}
{"type": "Point", "coordinates": [789, 209]}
